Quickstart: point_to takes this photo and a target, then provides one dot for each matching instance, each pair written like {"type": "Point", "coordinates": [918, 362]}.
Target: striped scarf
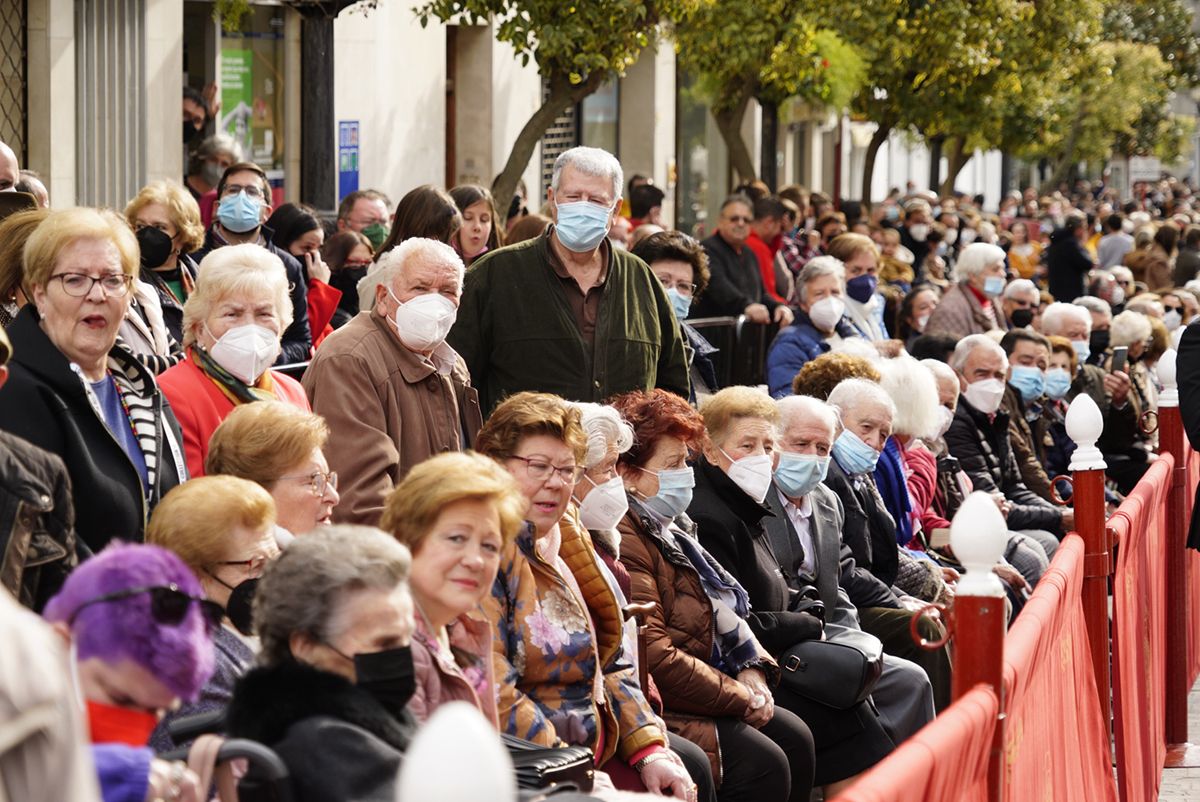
{"type": "Point", "coordinates": [234, 388]}
{"type": "Point", "coordinates": [139, 394]}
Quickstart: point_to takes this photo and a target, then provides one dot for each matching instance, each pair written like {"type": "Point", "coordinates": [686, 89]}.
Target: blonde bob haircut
{"type": "Point", "coordinates": [236, 270]}
{"type": "Point", "coordinates": [527, 415]}
{"type": "Point", "coordinates": [263, 440]}
{"type": "Point", "coordinates": [726, 407]}
{"type": "Point", "coordinates": [195, 519]}
{"type": "Point", "coordinates": [63, 228]}
{"type": "Point", "coordinates": [845, 247]}
{"type": "Point", "coordinates": [414, 506]}
{"type": "Point", "coordinates": [181, 209]}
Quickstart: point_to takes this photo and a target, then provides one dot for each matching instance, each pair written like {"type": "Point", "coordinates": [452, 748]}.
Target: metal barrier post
{"type": "Point", "coordinates": [1084, 425]}
{"type": "Point", "coordinates": [1171, 441]}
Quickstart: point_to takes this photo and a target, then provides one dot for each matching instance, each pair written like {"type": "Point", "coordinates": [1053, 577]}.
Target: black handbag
{"type": "Point", "coordinates": [540, 767]}
{"type": "Point", "coordinates": [839, 672]}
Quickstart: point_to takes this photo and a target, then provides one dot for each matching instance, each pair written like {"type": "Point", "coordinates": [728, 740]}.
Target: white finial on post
{"type": "Point", "coordinates": [1169, 397]}
{"type": "Point", "coordinates": [1084, 426]}
{"type": "Point", "coordinates": [978, 536]}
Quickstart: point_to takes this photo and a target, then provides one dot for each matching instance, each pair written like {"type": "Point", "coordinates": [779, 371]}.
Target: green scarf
{"type": "Point", "coordinates": [238, 391]}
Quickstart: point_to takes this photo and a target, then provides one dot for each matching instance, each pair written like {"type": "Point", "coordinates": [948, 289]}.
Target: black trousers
{"type": "Point", "coordinates": [772, 764]}
{"type": "Point", "coordinates": [697, 765]}
{"type": "Point", "coordinates": [892, 628]}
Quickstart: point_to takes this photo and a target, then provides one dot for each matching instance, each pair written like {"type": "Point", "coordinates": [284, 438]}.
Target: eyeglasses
{"type": "Point", "coordinates": [79, 285]}
{"type": "Point", "coordinates": [251, 190]}
{"type": "Point", "coordinates": [681, 287]}
{"type": "Point", "coordinates": [541, 470]}
{"type": "Point", "coordinates": [168, 605]}
{"type": "Point", "coordinates": [318, 482]}
{"type": "Point", "coordinates": [366, 263]}
{"type": "Point", "coordinates": [254, 566]}
{"type": "Point", "coordinates": [1178, 309]}
{"type": "Point", "coordinates": [737, 218]}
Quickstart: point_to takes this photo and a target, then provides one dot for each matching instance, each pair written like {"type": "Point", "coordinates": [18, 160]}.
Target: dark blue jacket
{"type": "Point", "coordinates": [794, 347]}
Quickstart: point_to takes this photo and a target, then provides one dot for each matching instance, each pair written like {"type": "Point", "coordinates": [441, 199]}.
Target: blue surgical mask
{"type": "Point", "coordinates": [993, 286]}
{"type": "Point", "coordinates": [1029, 381]}
{"type": "Point", "coordinates": [798, 474]}
{"type": "Point", "coordinates": [861, 288]}
{"type": "Point", "coordinates": [682, 304]}
{"type": "Point", "coordinates": [1082, 350]}
{"type": "Point", "coordinates": [582, 226]}
{"type": "Point", "coordinates": [1058, 382]}
{"type": "Point", "coordinates": [853, 454]}
{"type": "Point", "coordinates": [674, 492]}
{"type": "Point", "coordinates": [240, 213]}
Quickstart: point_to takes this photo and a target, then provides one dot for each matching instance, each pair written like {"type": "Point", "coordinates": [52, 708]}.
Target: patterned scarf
{"type": "Point", "coordinates": [234, 388]}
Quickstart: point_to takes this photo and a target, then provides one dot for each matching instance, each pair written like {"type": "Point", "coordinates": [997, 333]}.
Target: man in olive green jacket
{"type": "Point", "coordinates": [566, 313]}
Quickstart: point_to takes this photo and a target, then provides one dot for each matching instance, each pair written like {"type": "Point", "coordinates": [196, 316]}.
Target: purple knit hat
{"type": "Point", "coordinates": [180, 656]}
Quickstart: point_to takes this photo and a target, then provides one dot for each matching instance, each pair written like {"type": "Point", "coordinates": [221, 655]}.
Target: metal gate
{"type": "Point", "coordinates": [562, 135]}
{"type": "Point", "coordinates": [13, 76]}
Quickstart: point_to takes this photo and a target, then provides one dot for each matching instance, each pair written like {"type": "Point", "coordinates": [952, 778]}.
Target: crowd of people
{"type": "Point", "coordinates": [321, 478]}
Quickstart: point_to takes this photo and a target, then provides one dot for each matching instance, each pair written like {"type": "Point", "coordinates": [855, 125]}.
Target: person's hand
{"type": "Point", "coordinates": [1002, 504]}
{"type": "Point", "coordinates": [757, 313]}
{"type": "Point", "coordinates": [666, 777]}
{"type": "Point", "coordinates": [913, 604]}
{"type": "Point", "coordinates": [1116, 384]}
{"type": "Point", "coordinates": [317, 268]}
{"type": "Point", "coordinates": [1068, 519]}
{"type": "Point", "coordinates": [1011, 577]}
{"type": "Point", "coordinates": [762, 704]}
{"type": "Point", "coordinates": [949, 575]}
{"type": "Point", "coordinates": [212, 99]}
{"type": "Point", "coordinates": [173, 782]}
{"type": "Point", "coordinates": [783, 315]}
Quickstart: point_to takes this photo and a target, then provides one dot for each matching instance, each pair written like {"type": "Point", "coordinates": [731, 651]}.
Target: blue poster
{"type": "Point", "coordinates": [347, 157]}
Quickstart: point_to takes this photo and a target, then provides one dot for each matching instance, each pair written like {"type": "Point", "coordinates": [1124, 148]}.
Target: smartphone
{"type": "Point", "coordinates": [1119, 357]}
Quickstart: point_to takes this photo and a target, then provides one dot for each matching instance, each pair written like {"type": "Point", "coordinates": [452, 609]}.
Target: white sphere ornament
{"type": "Point", "coordinates": [979, 535]}
{"type": "Point", "coordinates": [457, 757]}
{"type": "Point", "coordinates": [1168, 375]}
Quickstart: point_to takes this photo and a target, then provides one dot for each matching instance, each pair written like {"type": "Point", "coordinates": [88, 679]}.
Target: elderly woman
{"type": "Point", "coordinates": [279, 447]}
{"type": "Point", "coordinates": [335, 674]}
{"type": "Point", "coordinates": [1064, 363]}
{"type": "Point", "coordinates": [456, 513]}
{"type": "Point", "coordinates": [14, 230]}
{"type": "Point", "coordinates": [232, 325]}
{"type": "Point", "coordinates": [141, 640]}
{"type": "Point", "coordinates": [864, 306]}
{"type": "Point", "coordinates": [820, 325]}
{"type": "Point", "coordinates": [681, 264]}
{"type": "Point", "coordinates": [479, 232]}
{"type": "Point", "coordinates": [971, 305]}
{"type": "Point", "coordinates": [166, 220]}
{"type": "Point", "coordinates": [222, 528]}
{"type": "Point", "coordinates": [558, 654]}
{"type": "Point", "coordinates": [74, 394]}
{"type": "Point", "coordinates": [1131, 330]}
{"type": "Point", "coordinates": [702, 653]}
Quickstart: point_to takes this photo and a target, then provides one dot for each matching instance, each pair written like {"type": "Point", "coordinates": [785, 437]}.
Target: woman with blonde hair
{"type": "Point", "coordinates": [232, 324]}
{"type": "Point", "coordinates": [14, 230]}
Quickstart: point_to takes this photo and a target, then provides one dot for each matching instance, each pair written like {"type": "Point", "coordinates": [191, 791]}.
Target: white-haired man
{"type": "Point", "coordinates": [1020, 304]}
{"type": "Point", "coordinates": [391, 390]}
{"type": "Point", "coordinates": [971, 305]}
{"type": "Point", "coordinates": [566, 313]}
{"type": "Point", "coordinates": [807, 542]}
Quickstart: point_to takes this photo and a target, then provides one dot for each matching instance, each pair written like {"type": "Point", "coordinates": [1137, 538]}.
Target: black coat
{"type": "Point", "coordinates": [44, 402]}
{"type": "Point", "coordinates": [1067, 263]}
{"type": "Point", "coordinates": [983, 450]}
{"type": "Point", "coordinates": [734, 281]}
{"type": "Point", "coordinates": [172, 307]}
{"type": "Point", "coordinates": [338, 742]}
{"type": "Point", "coordinates": [729, 525]}
{"type": "Point", "coordinates": [1187, 369]}
{"type": "Point", "coordinates": [869, 531]}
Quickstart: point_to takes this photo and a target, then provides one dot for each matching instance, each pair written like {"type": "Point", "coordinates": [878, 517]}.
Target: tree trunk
{"type": "Point", "coordinates": [877, 139]}
{"type": "Point", "coordinates": [959, 156]}
{"type": "Point", "coordinates": [935, 161]}
{"type": "Point", "coordinates": [769, 150]}
{"type": "Point", "coordinates": [1065, 160]}
{"type": "Point", "coordinates": [562, 95]}
{"type": "Point", "coordinates": [729, 123]}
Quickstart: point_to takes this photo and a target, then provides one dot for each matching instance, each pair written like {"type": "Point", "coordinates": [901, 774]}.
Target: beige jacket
{"type": "Point", "coordinates": [388, 408]}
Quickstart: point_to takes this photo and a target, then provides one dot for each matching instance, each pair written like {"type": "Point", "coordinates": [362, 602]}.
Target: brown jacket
{"type": "Point", "coordinates": [960, 314]}
{"type": "Point", "coordinates": [1151, 266]}
{"type": "Point", "coordinates": [1030, 457]}
{"type": "Point", "coordinates": [388, 409]}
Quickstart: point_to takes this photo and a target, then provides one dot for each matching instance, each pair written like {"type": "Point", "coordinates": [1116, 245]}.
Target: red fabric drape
{"type": "Point", "coordinates": [1140, 633]}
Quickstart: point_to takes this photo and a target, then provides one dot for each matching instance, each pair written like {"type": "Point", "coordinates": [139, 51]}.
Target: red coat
{"type": "Point", "coordinates": [200, 406]}
{"type": "Point", "coordinates": [322, 303]}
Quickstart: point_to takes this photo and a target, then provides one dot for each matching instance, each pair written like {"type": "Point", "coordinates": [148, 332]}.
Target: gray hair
{"type": "Point", "coordinates": [1147, 306]}
{"type": "Point", "coordinates": [913, 389]}
{"type": "Point", "coordinates": [942, 373]}
{"type": "Point", "coordinates": [967, 345]}
{"type": "Point", "coordinates": [302, 591]}
{"type": "Point", "coordinates": [589, 161]}
{"type": "Point", "coordinates": [793, 406]}
{"type": "Point", "coordinates": [219, 144]}
{"type": "Point", "coordinates": [815, 268]}
{"type": "Point", "coordinates": [1128, 328]}
{"type": "Point", "coordinates": [850, 394]}
{"type": "Point", "coordinates": [388, 265]}
{"type": "Point", "coordinates": [1056, 315]}
{"type": "Point", "coordinates": [1021, 286]}
{"type": "Point", "coordinates": [605, 428]}
{"type": "Point", "coordinates": [1121, 272]}
{"type": "Point", "coordinates": [976, 257]}
{"type": "Point", "coordinates": [232, 271]}
{"type": "Point", "coordinates": [1093, 304]}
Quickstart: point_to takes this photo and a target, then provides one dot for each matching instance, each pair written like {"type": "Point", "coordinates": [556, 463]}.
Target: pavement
{"type": "Point", "coordinates": [1183, 785]}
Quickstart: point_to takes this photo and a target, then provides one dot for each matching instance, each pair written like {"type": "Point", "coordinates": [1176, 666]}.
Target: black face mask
{"type": "Point", "coordinates": [155, 245]}
{"type": "Point", "coordinates": [1022, 318]}
{"type": "Point", "coordinates": [1098, 342]}
{"type": "Point", "coordinates": [238, 608]}
{"type": "Point", "coordinates": [388, 676]}
{"type": "Point", "coordinates": [189, 131]}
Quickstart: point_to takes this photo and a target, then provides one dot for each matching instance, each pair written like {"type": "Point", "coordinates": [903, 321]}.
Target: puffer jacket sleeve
{"type": "Point", "coordinates": [963, 440]}
{"type": "Point", "coordinates": [1028, 511]}
{"type": "Point", "coordinates": [789, 353]}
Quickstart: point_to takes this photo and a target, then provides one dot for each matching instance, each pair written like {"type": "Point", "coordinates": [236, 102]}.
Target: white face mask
{"type": "Point", "coordinates": [947, 419]}
{"type": "Point", "coordinates": [918, 231]}
{"type": "Point", "coordinates": [985, 395]}
{"type": "Point", "coordinates": [246, 351]}
{"type": "Point", "coordinates": [424, 322]}
{"type": "Point", "coordinates": [752, 474]}
{"type": "Point", "coordinates": [604, 507]}
{"type": "Point", "coordinates": [1172, 320]}
{"type": "Point", "coordinates": [922, 321]}
{"type": "Point", "coordinates": [826, 312]}
{"type": "Point", "coordinates": [951, 236]}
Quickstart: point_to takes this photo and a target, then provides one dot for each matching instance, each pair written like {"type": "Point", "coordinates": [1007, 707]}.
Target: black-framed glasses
{"type": "Point", "coordinates": [168, 605]}
{"type": "Point", "coordinates": [541, 470]}
{"type": "Point", "coordinates": [251, 190]}
{"type": "Point", "coordinates": [254, 566]}
{"type": "Point", "coordinates": [681, 287]}
{"type": "Point", "coordinates": [79, 285]}
{"type": "Point", "coordinates": [318, 482]}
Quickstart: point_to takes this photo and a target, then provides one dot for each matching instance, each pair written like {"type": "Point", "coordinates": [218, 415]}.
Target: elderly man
{"type": "Point", "coordinates": [10, 171]}
{"type": "Point", "coordinates": [1020, 304]}
{"type": "Point", "coordinates": [971, 306]}
{"type": "Point", "coordinates": [978, 438]}
{"type": "Point", "coordinates": [390, 388]}
{"type": "Point", "coordinates": [1101, 314]}
{"type": "Point", "coordinates": [365, 211]}
{"type": "Point", "coordinates": [807, 542]}
{"type": "Point", "coordinates": [736, 285]}
{"type": "Point", "coordinates": [566, 313]}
